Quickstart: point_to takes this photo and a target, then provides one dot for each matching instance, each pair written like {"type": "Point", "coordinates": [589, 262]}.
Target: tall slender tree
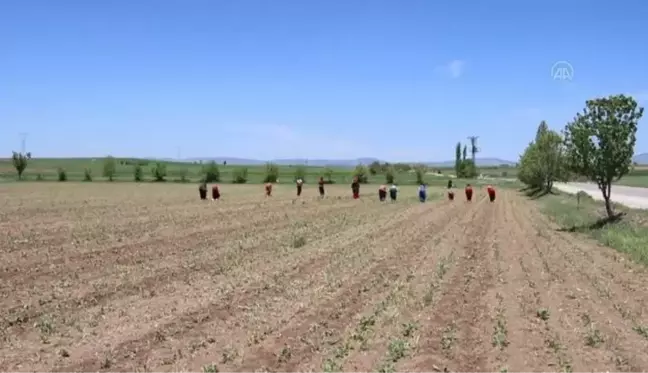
{"type": "Point", "coordinates": [473, 147]}
{"type": "Point", "coordinates": [458, 158]}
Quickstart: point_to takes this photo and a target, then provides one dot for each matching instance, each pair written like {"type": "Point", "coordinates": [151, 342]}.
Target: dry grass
{"type": "Point", "coordinates": [148, 277]}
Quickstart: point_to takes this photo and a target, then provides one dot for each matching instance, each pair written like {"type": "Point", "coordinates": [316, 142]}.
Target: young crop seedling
{"type": "Point", "coordinates": [397, 349]}
{"type": "Point", "coordinates": [543, 314]}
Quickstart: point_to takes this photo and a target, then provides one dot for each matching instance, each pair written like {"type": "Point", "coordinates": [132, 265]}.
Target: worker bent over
{"type": "Point", "coordinates": [202, 190]}
{"type": "Point", "coordinates": [215, 193]}
{"type": "Point", "coordinates": [300, 184]}
{"type": "Point", "coordinates": [469, 192]}
{"type": "Point", "coordinates": [422, 193]}
{"type": "Point", "coordinates": [393, 192]}
{"type": "Point", "coordinates": [491, 193]}
{"type": "Point", "coordinates": [382, 193]}
{"type": "Point", "coordinates": [355, 188]}
{"type": "Point", "coordinates": [451, 195]}
{"type": "Point", "coordinates": [321, 187]}
{"type": "Point", "coordinates": [268, 189]}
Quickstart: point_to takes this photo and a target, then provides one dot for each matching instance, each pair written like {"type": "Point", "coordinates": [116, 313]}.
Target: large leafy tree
{"type": "Point", "coordinates": [600, 141]}
{"type": "Point", "coordinates": [543, 161]}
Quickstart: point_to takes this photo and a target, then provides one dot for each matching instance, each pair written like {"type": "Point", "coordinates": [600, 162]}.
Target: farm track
{"type": "Point", "coordinates": [319, 285]}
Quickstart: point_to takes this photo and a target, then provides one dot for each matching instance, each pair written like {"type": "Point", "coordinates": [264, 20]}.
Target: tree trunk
{"type": "Point", "coordinates": [606, 188]}
{"type": "Point", "coordinates": [608, 207]}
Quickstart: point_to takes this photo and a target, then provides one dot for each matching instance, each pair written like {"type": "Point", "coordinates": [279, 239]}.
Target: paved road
{"type": "Point", "coordinates": [630, 196]}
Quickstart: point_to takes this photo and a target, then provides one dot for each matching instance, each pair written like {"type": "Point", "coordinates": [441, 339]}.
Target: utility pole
{"type": "Point", "coordinates": [23, 142]}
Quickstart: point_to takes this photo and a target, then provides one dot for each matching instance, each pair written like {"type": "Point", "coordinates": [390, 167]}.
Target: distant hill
{"type": "Point", "coordinates": [483, 162]}
{"type": "Point", "coordinates": [641, 159]}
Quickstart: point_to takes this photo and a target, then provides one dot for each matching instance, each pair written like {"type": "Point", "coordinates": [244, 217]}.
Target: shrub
{"type": "Point", "coordinates": [159, 171]}
{"type": "Point", "coordinates": [20, 162]}
{"type": "Point", "coordinates": [62, 175]}
{"type": "Point", "coordinates": [87, 174]}
{"type": "Point", "coordinates": [420, 171]}
{"type": "Point", "coordinates": [389, 175]}
{"type": "Point", "coordinates": [211, 173]}
{"type": "Point", "coordinates": [39, 177]}
{"type": "Point", "coordinates": [328, 175]}
{"type": "Point", "coordinates": [109, 168]}
{"type": "Point", "coordinates": [300, 173]}
{"type": "Point", "coordinates": [361, 173]}
{"type": "Point", "coordinates": [240, 175]}
{"type": "Point", "coordinates": [271, 173]}
{"type": "Point", "coordinates": [138, 174]}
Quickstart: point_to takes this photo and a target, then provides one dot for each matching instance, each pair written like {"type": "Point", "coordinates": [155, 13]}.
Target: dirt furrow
{"type": "Point", "coordinates": [177, 265]}
{"type": "Point", "coordinates": [362, 292]}
{"type": "Point", "coordinates": [226, 305]}
{"type": "Point", "coordinates": [221, 282]}
{"type": "Point", "coordinates": [607, 338]}
{"type": "Point", "coordinates": [453, 337]}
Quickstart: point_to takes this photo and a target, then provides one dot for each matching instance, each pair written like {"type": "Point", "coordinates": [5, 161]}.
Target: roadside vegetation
{"type": "Point", "coordinates": [597, 146]}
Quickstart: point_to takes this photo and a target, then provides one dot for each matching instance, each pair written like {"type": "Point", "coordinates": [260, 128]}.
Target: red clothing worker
{"type": "Point", "coordinates": [491, 193]}
{"type": "Point", "coordinates": [268, 189]}
{"type": "Point", "coordinates": [215, 193]}
{"type": "Point", "coordinates": [469, 192]}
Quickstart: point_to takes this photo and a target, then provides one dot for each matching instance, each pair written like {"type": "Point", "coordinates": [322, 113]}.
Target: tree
{"type": "Point", "coordinates": [62, 175]}
{"type": "Point", "coordinates": [87, 174]}
{"type": "Point", "coordinates": [375, 167]}
{"type": "Point", "coordinates": [542, 128]}
{"type": "Point", "coordinates": [464, 153]}
{"type": "Point", "coordinates": [458, 158]}
{"type": "Point", "coordinates": [211, 173]}
{"type": "Point", "coordinates": [138, 174]}
{"type": "Point", "coordinates": [600, 142]}
{"type": "Point", "coordinates": [328, 173]}
{"type": "Point", "coordinates": [300, 172]}
{"type": "Point", "coordinates": [420, 171]}
{"type": "Point", "coordinates": [109, 168]}
{"type": "Point", "coordinates": [240, 175]}
{"type": "Point", "coordinates": [473, 147]}
{"type": "Point", "coordinates": [271, 173]}
{"type": "Point", "coordinates": [389, 175]}
{"type": "Point", "coordinates": [159, 171]}
{"type": "Point", "coordinates": [361, 173]}
{"type": "Point", "coordinates": [20, 162]}
{"type": "Point", "coordinates": [543, 161]}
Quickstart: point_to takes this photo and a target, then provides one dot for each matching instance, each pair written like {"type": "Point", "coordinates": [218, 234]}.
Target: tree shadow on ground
{"type": "Point", "coordinates": [599, 224]}
{"type": "Point", "coordinates": [536, 193]}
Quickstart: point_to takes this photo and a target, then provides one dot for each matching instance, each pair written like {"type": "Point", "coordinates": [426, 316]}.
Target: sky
{"type": "Point", "coordinates": [400, 80]}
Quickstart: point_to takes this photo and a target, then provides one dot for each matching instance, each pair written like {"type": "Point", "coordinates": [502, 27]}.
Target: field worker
{"type": "Point", "coordinates": [469, 192]}
{"type": "Point", "coordinates": [300, 184]}
{"type": "Point", "coordinates": [355, 188]}
{"type": "Point", "coordinates": [215, 193]}
{"type": "Point", "coordinates": [449, 183]}
{"type": "Point", "coordinates": [491, 192]}
{"type": "Point", "coordinates": [451, 194]}
{"type": "Point", "coordinates": [268, 189]}
{"type": "Point", "coordinates": [422, 193]}
{"type": "Point", "coordinates": [393, 192]}
{"type": "Point", "coordinates": [382, 193]}
{"type": "Point", "coordinates": [321, 186]}
{"type": "Point", "coordinates": [202, 190]}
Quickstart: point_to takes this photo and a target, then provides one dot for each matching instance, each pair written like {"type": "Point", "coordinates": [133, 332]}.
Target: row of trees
{"type": "Point", "coordinates": [464, 167]}
{"type": "Point", "coordinates": [597, 145]}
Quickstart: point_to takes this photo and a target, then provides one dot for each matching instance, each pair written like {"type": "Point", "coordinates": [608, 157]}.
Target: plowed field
{"type": "Point", "coordinates": [99, 277]}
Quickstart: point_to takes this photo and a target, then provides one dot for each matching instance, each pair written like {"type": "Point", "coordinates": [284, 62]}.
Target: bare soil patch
{"type": "Point", "coordinates": [149, 278]}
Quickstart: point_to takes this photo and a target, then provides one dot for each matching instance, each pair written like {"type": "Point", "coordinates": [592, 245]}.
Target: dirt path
{"type": "Point", "coordinates": [325, 285]}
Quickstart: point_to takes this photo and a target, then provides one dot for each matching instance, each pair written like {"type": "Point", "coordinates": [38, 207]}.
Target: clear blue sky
{"type": "Point", "coordinates": [398, 80]}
